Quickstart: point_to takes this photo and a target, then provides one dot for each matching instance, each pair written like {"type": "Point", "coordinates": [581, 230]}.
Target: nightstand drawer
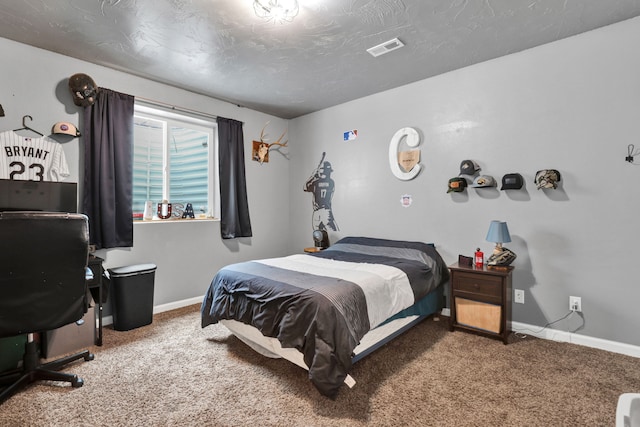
{"type": "Point", "coordinates": [479, 284]}
{"type": "Point", "coordinates": [479, 315]}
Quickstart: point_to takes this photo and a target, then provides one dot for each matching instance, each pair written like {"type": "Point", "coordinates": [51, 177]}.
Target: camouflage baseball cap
{"type": "Point", "coordinates": [547, 178]}
{"type": "Point", "coordinates": [457, 185]}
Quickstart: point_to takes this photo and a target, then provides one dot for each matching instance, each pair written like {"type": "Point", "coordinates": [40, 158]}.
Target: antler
{"type": "Point", "coordinates": [282, 144]}
{"type": "Point", "coordinates": [261, 148]}
{"type": "Point", "coordinates": [262, 135]}
{"type": "Point", "coordinates": [264, 140]}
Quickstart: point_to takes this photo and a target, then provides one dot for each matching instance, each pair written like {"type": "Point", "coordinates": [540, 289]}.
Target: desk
{"type": "Point", "coordinates": [78, 335]}
{"type": "Point", "coordinates": [96, 287]}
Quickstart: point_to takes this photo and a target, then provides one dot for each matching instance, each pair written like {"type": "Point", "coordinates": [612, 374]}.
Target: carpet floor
{"type": "Point", "coordinates": [174, 373]}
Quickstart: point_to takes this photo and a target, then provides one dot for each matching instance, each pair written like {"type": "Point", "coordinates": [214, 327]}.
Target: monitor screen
{"type": "Point", "coordinates": [38, 196]}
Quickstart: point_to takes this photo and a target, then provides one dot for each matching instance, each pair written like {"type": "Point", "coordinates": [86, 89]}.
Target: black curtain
{"type": "Point", "coordinates": [108, 163]}
{"type": "Point", "coordinates": [234, 218]}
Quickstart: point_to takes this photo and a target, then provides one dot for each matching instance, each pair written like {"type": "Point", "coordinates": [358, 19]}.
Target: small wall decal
{"type": "Point", "coordinates": [351, 135]}
{"type": "Point", "coordinates": [406, 200]}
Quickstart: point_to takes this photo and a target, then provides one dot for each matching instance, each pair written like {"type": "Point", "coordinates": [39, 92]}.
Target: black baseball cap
{"type": "Point", "coordinates": [512, 181]}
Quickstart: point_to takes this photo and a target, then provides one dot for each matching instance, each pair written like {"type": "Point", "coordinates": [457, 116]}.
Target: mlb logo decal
{"type": "Point", "coordinates": [351, 135]}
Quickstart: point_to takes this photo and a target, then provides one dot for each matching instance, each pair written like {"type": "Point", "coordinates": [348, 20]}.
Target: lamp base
{"type": "Point", "coordinates": [503, 257]}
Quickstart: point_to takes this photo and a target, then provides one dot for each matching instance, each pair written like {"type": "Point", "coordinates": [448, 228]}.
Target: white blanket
{"type": "Point", "coordinates": [386, 288]}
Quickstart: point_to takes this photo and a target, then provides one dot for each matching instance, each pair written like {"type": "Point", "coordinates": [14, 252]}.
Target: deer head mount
{"type": "Point", "coordinates": [261, 148]}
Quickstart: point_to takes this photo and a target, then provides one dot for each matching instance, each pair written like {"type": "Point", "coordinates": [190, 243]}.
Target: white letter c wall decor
{"type": "Point", "coordinates": [413, 140]}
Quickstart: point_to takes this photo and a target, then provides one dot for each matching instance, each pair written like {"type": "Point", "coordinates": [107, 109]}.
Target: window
{"type": "Point", "coordinates": [174, 159]}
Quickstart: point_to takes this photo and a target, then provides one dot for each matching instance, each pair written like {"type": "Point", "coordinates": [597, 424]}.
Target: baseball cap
{"type": "Point", "coordinates": [457, 185]}
{"type": "Point", "coordinates": [65, 128]}
{"type": "Point", "coordinates": [484, 181]}
{"type": "Point", "coordinates": [512, 181]}
{"type": "Point", "coordinates": [469, 167]}
{"type": "Point", "coordinates": [547, 178]}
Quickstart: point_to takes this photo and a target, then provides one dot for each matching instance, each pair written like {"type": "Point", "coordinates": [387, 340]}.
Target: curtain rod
{"type": "Point", "coordinates": [165, 105]}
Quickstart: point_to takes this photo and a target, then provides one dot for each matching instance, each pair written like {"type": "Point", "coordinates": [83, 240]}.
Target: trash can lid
{"type": "Point", "coordinates": [131, 270]}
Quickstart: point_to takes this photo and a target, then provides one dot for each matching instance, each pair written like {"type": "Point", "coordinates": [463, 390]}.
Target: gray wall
{"type": "Point", "coordinates": [572, 105]}
{"type": "Point", "coordinates": [187, 254]}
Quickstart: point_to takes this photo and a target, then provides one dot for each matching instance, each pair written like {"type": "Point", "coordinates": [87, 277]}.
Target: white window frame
{"type": "Point", "coordinates": [207, 126]}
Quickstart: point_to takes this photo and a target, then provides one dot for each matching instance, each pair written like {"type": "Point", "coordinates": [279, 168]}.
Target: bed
{"type": "Point", "coordinates": [326, 310]}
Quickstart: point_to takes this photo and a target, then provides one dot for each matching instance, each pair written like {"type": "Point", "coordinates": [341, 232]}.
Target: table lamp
{"type": "Point", "coordinates": [498, 233]}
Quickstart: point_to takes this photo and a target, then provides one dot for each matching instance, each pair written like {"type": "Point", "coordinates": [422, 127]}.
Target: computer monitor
{"type": "Point", "coordinates": [43, 196]}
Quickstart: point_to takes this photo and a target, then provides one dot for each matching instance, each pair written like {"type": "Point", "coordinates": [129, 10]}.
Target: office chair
{"type": "Point", "coordinates": [43, 258]}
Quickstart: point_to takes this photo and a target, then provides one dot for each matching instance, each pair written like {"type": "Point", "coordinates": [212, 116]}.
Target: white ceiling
{"type": "Point", "coordinates": [221, 49]}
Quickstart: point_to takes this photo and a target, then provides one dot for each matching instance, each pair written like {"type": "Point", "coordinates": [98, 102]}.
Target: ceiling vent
{"type": "Point", "coordinates": [385, 47]}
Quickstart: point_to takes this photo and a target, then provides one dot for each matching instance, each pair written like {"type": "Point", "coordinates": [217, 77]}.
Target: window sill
{"type": "Point", "coordinates": [175, 220]}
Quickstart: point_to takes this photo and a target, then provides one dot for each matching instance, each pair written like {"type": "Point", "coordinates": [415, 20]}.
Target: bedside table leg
{"type": "Point", "coordinates": [505, 338]}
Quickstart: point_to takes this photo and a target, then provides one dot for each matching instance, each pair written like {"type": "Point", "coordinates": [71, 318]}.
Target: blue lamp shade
{"type": "Point", "coordinates": [498, 232]}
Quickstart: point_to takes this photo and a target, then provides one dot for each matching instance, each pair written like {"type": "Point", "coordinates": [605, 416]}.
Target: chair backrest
{"type": "Point", "coordinates": [43, 259]}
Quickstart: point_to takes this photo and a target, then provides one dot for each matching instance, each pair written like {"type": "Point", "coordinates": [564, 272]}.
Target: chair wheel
{"type": "Point", "coordinates": [77, 382]}
{"type": "Point", "coordinates": [89, 357]}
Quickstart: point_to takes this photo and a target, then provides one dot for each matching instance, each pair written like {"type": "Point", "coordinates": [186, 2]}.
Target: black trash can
{"type": "Point", "coordinates": [132, 291]}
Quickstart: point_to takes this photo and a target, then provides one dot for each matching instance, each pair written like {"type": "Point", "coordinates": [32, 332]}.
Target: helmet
{"type": "Point", "coordinates": [504, 257]}
{"type": "Point", "coordinates": [83, 90]}
{"type": "Point", "coordinates": [321, 238]}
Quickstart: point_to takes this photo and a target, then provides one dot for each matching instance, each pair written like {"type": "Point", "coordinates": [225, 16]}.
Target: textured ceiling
{"type": "Point", "coordinates": [221, 49]}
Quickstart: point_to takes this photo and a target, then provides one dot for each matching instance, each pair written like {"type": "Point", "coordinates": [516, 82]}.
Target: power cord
{"type": "Point", "coordinates": [520, 335]}
{"type": "Point", "coordinates": [631, 152]}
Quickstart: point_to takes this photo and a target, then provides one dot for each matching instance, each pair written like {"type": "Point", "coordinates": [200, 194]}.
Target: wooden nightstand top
{"type": "Point", "coordinates": [312, 249]}
{"type": "Point", "coordinates": [498, 270]}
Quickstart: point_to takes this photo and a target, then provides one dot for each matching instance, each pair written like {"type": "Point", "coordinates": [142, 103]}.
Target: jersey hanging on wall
{"type": "Point", "coordinates": [31, 159]}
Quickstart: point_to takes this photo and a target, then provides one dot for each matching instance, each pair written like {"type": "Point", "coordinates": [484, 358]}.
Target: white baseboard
{"type": "Point", "coordinates": [177, 304]}
{"type": "Point", "coordinates": [108, 320]}
{"type": "Point", "coordinates": [584, 340]}
{"type": "Point", "coordinates": [563, 336]}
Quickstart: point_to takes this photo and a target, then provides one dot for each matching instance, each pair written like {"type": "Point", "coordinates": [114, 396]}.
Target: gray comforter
{"type": "Point", "coordinates": [322, 304]}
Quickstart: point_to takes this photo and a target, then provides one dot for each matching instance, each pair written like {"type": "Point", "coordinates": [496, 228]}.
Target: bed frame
{"type": "Point", "coordinates": [373, 340]}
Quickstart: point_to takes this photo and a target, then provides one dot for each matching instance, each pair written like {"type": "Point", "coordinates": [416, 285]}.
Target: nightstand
{"type": "Point", "coordinates": [481, 300]}
{"type": "Point", "coordinates": [312, 250]}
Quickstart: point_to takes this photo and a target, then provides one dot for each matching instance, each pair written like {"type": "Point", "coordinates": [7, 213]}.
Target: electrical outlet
{"type": "Point", "coordinates": [518, 296]}
{"type": "Point", "coordinates": [575, 303]}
